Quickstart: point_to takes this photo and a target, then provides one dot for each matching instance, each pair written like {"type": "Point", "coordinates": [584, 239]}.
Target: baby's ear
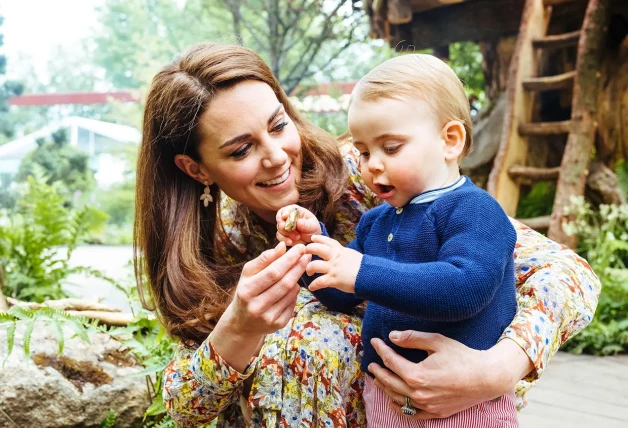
{"type": "Point", "coordinates": [454, 135]}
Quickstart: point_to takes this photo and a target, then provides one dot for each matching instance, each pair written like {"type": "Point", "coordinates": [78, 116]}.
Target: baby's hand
{"type": "Point", "coordinates": [338, 265]}
{"type": "Point", "coordinates": [296, 225]}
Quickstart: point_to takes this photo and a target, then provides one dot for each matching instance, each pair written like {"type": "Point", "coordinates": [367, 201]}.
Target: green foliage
{"type": "Point", "coordinates": [539, 201]}
{"type": "Point", "coordinates": [60, 162]}
{"type": "Point", "coordinates": [465, 59]}
{"type": "Point", "coordinates": [49, 317]}
{"type": "Point", "coordinates": [603, 241]}
{"type": "Point", "coordinates": [109, 421]}
{"type": "Point", "coordinates": [33, 264]}
{"type": "Point", "coordinates": [138, 37]}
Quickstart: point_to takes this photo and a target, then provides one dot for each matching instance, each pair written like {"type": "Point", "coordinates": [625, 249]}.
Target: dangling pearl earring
{"type": "Point", "coordinates": [206, 197]}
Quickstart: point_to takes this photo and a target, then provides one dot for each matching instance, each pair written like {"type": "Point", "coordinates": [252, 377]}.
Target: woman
{"type": "Point", "coordinates": [256, 349]}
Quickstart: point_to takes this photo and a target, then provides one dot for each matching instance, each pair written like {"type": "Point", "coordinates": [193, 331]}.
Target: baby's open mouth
{"type": "Point", "coordinates": [385, 189]}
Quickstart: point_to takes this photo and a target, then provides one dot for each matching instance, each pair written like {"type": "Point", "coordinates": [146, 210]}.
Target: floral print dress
{"type": "Point", "coordinates": [308, 373]}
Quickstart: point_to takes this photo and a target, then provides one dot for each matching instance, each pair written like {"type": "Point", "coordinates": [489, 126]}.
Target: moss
{"type": "Point", "coordinates": [121, 358]}
{"type": "Point", "coordinates": [77, 372]}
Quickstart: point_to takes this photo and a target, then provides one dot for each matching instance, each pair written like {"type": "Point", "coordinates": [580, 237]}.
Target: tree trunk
{"type": "Point", "coordinates": [575, 163]}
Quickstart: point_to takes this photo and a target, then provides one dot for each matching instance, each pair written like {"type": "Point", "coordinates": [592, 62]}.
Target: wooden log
{"type": "Point", "coordinates": [513, 148]}
{"type": "Point", "coordinates": [119, 319]}
{"type": "Point", "coordinates": [536, 223]}
{"type": "Point", "coordinates": [534, 174]}
{"type": "Point", "coordinates": [545, 128]}
{"type": "Point", "coordinates": [575, 162]}
{"type": "Point", "coordinates": [557, 41]}
{"type": "Point", "coordinates": [65, 305]}
{"type": "Point", "coordinates": [399, 11]}
{"type": "Point", "coordinates": [549, 83]}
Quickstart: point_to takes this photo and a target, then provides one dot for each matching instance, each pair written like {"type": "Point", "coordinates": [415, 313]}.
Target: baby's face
{"type": "Point", "coordinates": [402, 153]}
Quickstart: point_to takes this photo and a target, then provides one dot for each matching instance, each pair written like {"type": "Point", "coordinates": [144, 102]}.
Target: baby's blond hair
{"type": "Point", "coordinates": [423, 77]}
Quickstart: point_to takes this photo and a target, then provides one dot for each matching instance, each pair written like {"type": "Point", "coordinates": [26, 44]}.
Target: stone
{"type": "Point", "coordinates": [74, 389]}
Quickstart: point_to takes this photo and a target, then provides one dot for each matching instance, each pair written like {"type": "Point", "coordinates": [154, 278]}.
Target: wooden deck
{"type": "Point", "coordinates": [580, 391]}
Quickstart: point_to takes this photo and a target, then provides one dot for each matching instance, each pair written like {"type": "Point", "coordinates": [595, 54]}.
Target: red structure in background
{"type": "Point", "coordinates": [134, 96]}
{"type": "Point", "coordinates": [74, 98]}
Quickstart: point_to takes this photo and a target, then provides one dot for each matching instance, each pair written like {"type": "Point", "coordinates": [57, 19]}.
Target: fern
{"type": "Point", "coordinates": [31, 236]}
{"type": "Point", "coordinates": [26, 338]}
{"type": "Point", "coordinates": [109, 421]}
{"type": "Point", "coordinates": [50, 317]}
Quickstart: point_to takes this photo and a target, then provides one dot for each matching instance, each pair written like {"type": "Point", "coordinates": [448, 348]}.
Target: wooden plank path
{"type": "Point", "coordinates": [580, 391]}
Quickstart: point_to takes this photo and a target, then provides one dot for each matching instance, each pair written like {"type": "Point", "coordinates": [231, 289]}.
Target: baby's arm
{"type": "Point", "coordinates": [469, 269]}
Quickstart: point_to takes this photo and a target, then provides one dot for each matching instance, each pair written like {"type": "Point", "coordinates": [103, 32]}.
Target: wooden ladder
{"type": "Point", "coordinates": [510, 167]}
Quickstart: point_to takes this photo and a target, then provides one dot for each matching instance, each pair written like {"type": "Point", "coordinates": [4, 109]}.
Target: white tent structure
{"type": "Point", "coordinates": [96, 138]}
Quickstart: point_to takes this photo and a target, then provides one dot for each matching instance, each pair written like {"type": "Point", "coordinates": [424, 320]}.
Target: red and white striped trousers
{"type": "Point", "coordinates": [500, 414]}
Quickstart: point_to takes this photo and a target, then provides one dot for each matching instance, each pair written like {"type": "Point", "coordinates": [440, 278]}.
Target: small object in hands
{"type": "Point", "coordinates": [408, 409]}
{"type": "Point", "coordinates": [291, 221]}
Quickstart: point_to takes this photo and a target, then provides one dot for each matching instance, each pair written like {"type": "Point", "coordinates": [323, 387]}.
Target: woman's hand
{"type": "Point", "coordinates": [452, 378]}
{"type": "Point", "coordinates": [301, 233]}
{"type": "Point", "coordinates": [263, 303]}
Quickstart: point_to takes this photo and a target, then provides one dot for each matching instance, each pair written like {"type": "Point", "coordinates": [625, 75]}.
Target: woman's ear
{"type": "Point", "coordinates": [455, 136]}
{"type": "Point", "coordinates": [192, 168]}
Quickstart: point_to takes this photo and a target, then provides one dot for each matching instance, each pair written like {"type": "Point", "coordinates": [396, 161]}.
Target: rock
{"type": "Point", "coordinates": [75, 389]}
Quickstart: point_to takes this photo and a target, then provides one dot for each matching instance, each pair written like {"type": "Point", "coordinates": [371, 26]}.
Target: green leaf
{"type": "Point", "coordinates": [58, 332]}
{"type": "Point", "coordinates": [27, 337]}
{"type": "Point", "coordinates": [10, 339]}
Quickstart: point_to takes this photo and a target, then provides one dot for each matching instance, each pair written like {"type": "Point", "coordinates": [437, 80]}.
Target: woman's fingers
{"type": "Point", "coordinates": [263, 260]}
{"type": "Point", "coordinates": [392, 360]}
{"type": "Point", "coordinates": [430, 342]}
{"type": "Point", "coordinates": [388, 380]}
{"type": "Point", "coordinates": [271, 297]}
{"type": "Point", "coordinates": [275, 271]}
{"type": "Point", "coordinates": [420, 414]}
{"type": "Point", "coordinates": [393, 395]}
{"type": "Point", "coordinates": [282, 310]}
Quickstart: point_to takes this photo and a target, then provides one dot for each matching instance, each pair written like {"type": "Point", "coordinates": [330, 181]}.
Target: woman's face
{"type": "Point", "coordinates": [251, 149]}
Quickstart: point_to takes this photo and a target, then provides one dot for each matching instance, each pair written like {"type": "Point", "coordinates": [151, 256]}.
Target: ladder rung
{"type": "Point", "coordinates": [549, 83]}
{"type": "Point", "coordinates": [558, 41]}
{"type": "Point", "coordinates": [536, 223]}
{"type": "Point", "coordinates": [534, 174]}
{"type": "Point", "coordinates": [545, 128]}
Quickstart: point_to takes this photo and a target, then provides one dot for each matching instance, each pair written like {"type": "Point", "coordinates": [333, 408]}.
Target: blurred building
{"type": "Point", "coordinates": [96, 138]}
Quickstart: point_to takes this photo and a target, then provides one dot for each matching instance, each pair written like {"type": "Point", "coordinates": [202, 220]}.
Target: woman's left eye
{"type": "Point", "coordinates": [280, 126]}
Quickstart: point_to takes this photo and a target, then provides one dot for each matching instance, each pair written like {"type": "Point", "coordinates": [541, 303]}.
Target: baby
{"type": "Point", "coordinates": [438, 255]}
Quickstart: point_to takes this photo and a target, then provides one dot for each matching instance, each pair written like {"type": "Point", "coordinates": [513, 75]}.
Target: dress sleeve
{"type": "Point", "coordinates": [557, 294]}
{"type": "Point", "coordinates": [199, 384]}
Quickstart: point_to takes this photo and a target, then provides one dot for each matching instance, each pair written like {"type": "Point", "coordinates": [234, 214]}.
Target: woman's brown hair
{"type": "Point", "coordinates": [174, 254]}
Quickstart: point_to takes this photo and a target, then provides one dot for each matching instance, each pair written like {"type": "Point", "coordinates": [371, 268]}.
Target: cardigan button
{"type": "Point", "coordinates": [390, 237]}
{"type": "Point", "coordinates": [399, 210]}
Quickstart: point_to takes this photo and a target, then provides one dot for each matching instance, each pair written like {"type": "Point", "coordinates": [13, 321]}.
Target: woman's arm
{"type": "Point", "coordinates": [557, 294]}
{"type": "Point", "coordinates": [201, 382]}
